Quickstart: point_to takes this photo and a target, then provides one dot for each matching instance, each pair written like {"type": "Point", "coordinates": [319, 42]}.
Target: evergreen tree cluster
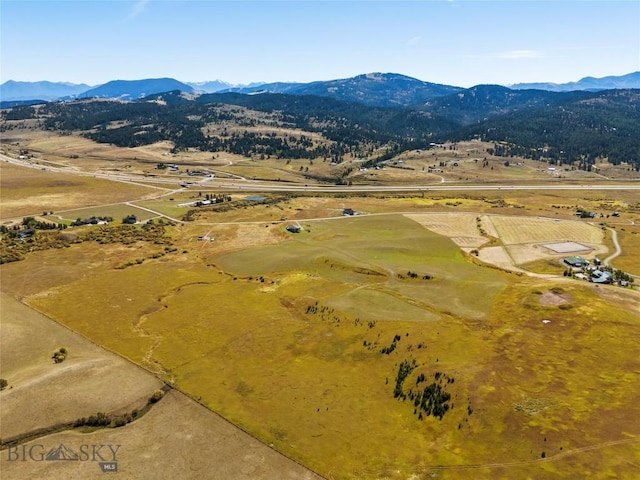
{"type": "Point", "coordinates": [561, 128]}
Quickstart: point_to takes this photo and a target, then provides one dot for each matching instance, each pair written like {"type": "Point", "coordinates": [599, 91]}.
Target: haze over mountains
{"type": "Point", "coordinates": [374, 89]}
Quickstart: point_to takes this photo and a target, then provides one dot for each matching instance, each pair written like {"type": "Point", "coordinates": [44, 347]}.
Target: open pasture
{"type": "Point", "coordinates": [305, 372]}
{"type": "Point", "coordinates": [177, 437]}
{"type": "Point", "coordinates": [299, 338]}
{"type": "Point", "coordinates": [43, 393]}
{"type": "Point", "coordinates": [629, 239]}
{"type": "Point", "coordinates": [390, 244]}
{"type": "Point", "coordinates": [29, 191]}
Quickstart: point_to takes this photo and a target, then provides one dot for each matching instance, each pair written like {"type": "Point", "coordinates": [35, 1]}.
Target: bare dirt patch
{"type": "Point", "coordinates": [566, 247]}
{"type": "Point", "coordinates": [554, 297]}
{"type": "Point", "coordinates": [530, 252]}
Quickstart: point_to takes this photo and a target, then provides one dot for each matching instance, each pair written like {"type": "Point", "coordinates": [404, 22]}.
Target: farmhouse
{"type": "Point", "coordinates": [576, 262]}
{"type": "Point", "coordinates": [598, 276]}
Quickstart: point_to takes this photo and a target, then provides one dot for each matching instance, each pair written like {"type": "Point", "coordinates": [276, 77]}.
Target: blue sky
{"type": "Point", "coordinates": [455, 42]}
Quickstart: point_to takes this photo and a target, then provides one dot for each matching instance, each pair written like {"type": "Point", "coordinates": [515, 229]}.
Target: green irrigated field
{"type": "Point", "coordinates": [303, 342]}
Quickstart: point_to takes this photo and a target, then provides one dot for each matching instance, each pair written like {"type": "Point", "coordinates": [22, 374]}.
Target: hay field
{"type": "Point", "coordinates": [177, 439]}
{"type": "Point", "coordinates": [463, 229]}
{"type": "Point", "coordinates": [515, 230]}
{"type": "Point", "coordinates": [42, 393]}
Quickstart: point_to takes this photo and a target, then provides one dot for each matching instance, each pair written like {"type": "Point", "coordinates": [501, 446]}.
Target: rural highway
{"type": "Point", "coordinates": [247, 185]}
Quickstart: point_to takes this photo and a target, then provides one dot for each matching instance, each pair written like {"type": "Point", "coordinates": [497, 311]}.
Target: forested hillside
{"type": "Point", "coordinates": [604, 124]}
{"type": "Point", "coordinates": [573, 127]}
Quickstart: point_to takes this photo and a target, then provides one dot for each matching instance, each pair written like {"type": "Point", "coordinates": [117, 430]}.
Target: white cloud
{"type": "Point", "coordinates": [138, 7]}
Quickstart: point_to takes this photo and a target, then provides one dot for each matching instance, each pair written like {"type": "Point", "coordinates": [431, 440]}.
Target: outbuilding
{"type": "Point", "coordinates": [576, 262]}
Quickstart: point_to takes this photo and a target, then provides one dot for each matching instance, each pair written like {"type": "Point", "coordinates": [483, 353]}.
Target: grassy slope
{"type": "Point", "coordinates": [306, 383]}
{"type": "Point", "coordinates": [80, 386]}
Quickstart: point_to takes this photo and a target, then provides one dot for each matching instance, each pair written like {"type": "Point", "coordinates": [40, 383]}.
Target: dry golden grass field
{"type": "Point", "coordinates": [42, 393]}
{"type": "Point", "coordinates": [324, 344]}
{"type": "Point", "coordinates": [305, 382]}
{"type": "Point", "coordinates": [27, 191]}
{"type": "Point", "coordinates": [177, 439]}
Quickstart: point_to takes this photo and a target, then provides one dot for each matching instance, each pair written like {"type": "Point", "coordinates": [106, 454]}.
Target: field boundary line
{"type": "Point", "coordinates": [239, 427]}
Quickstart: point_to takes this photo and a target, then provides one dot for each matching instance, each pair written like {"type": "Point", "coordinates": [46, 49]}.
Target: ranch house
{"type": "Point", "coordinates": [576, 262]}
{"type": "Point", "coordinates": [598, 276]}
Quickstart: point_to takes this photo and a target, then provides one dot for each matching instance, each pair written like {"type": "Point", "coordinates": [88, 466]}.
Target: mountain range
{"type": "Point", "coordinates": [19, 91]}
{"type": "Point", "coordinates": [134, 89]}
{"type": "Point", "coordinates": [576, 128]}
{"type": "Point", "coordinates": [631, 80]}
{"type": "Point", "coordinates": [374, 89]}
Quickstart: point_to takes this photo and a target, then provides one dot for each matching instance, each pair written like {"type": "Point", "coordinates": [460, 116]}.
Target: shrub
{"type": "Point", "coordinates": [157, 396]}
{"type": "Point", "coordinates": [61, 355]}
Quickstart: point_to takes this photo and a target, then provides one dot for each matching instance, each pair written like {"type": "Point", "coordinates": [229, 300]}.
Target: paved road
{"type": "Point", "coordinates": [247, 185]}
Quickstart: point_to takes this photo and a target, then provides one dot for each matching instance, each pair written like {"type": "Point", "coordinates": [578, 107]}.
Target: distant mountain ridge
{"type": "Point", "coordinates": [18, 91]}
{"type": "Point", "coordinates": [631, 80]}
{"type": "Point", "coordinates": [373, 89]}
{"type": "Point", "coordinates": [211, 86]}
{"type": "Point", "coordinates": [134, 89]}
